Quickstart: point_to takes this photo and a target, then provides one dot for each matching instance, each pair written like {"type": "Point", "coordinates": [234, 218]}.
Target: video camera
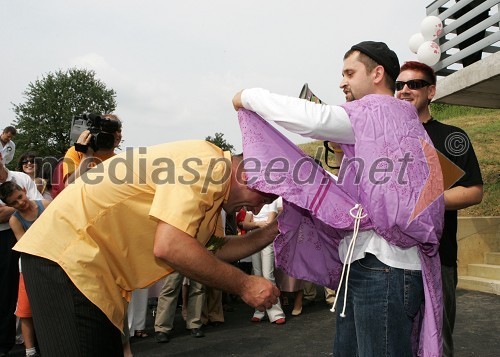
{"type": "Point", "coordinates": [101, 130]}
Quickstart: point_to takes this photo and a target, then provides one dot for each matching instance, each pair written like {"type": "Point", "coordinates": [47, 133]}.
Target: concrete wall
{"type": "Point", "coordinates": [476, 236]}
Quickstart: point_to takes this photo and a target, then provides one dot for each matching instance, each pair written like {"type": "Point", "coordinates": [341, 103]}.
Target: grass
{"type": "Point", "coordinates": [483, 128]}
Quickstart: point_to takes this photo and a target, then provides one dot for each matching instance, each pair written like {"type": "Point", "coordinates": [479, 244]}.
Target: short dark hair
{"type": "Point", "coordinates": [429, 74]}
{"type": "Point", "coordinates": [7, 189]}
{"type": "Point", "coordinates": [10, 129]}
{"type": "Point", "coordinates": [115, 118]}
{"type": "Point", "coordinates": [370, 65]}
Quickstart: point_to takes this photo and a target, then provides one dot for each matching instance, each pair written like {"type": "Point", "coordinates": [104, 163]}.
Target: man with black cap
{"type": "Point", "coordinates": [385, 285]}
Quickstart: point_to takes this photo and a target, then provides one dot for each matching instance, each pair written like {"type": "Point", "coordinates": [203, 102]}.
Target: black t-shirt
{"type": "Point", "coordinates": [454, 143]}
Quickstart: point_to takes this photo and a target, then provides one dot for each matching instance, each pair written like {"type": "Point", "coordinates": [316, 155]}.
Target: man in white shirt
{"type": "Point", "coordinates": [385, 283]}
{"type": "Point", "coordinates": [7, 146]}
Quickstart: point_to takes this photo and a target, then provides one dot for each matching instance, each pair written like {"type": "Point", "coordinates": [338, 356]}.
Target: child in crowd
{"type": "Point", "coordinates": [27, 212]}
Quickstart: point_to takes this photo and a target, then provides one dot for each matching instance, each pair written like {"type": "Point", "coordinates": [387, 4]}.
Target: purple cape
{"type": "Point", "coordinates": [392, 171]}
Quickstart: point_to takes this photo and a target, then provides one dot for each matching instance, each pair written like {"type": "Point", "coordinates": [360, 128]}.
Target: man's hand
{"type": "Point", "coordinates": [5, 213]}
{"type": "Point", "coordinates": [259, 293]}
{"type": "Point", "coordinates": [84, 139]}
{"type": "Point", "coordinates": [237, 101]}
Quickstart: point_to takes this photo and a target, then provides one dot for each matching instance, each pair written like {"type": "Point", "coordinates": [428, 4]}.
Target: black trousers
{"type": "Point", "coordinates": [66, 322]}
{"type": "Point", "coordinates": [9, 285]}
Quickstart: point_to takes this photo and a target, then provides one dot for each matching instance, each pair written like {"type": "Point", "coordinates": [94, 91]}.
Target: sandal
{"type": "Point", "coordinates": [140, 334]}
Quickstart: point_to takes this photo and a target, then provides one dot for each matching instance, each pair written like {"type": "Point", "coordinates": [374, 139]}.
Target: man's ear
{"type": "Point", "coordinates": [431, 92]}
{"type": "Point", "coordinates": [242, 177]}
{"type": "Point", "coordinates": [378, 74]}
{"type": "Point", "coordinates": [239, 172]}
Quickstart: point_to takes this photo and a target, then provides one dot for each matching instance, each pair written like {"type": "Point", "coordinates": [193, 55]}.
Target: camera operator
{"type": "Point", "coordinates": [78, 162]}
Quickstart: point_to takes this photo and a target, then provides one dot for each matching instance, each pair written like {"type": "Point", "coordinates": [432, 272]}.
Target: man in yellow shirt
{"type": "Point", "coordinates": [125, 224]}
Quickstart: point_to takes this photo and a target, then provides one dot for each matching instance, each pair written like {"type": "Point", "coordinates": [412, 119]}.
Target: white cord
{"type": "Point", "coordinates": [350, 250]}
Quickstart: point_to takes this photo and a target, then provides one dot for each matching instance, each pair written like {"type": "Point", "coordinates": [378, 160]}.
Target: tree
{"type": "Point", "coordinates": [43, 121]}
{"type": "Point", "coordinates": [220, 142]}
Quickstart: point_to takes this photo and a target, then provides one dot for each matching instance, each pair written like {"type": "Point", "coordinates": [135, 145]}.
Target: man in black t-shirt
{"type": "Point", "coordinates": [417, 84]}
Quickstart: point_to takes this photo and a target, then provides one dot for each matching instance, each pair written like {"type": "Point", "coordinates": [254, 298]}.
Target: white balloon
{"type": "Point", "coordinates": [431, 28]}
{"type": "Point", "coordinates": [415, 41]}
{"type": "Point", "coordinates": [429, 53]}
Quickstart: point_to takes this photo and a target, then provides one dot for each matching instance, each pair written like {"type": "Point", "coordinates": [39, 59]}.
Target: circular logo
{"type": "Point", "coordinates": [457, 144]}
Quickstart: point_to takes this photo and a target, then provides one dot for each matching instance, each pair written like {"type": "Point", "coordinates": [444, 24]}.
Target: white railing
{"type": "Point", "coordinates": [470, 32]}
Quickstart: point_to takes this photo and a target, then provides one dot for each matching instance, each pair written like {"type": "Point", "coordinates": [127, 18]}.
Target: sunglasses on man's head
{"type": "Point", "coordinates": [29, 161]}
{"type": "Point", "coordinates": [412, 84]}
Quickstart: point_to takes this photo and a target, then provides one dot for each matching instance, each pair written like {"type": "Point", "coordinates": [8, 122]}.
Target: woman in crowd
{"type": "Point", "coordinates": [31, 165]}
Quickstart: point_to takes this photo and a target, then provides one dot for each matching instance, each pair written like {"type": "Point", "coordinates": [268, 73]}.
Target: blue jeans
{"type": "Point", "coordinates": [382, 303]}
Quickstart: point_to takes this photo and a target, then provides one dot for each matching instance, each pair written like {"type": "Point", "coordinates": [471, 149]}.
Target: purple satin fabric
{"type": "Point", "coordinates": [316, 216]}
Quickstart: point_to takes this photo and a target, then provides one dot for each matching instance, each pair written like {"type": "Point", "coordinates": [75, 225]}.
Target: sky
{"type": "Point", "coordinates": [176, 65]}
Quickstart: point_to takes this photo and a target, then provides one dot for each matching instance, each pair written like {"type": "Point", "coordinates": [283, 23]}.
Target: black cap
{"type": "Point", "coordinates": [380, 53]}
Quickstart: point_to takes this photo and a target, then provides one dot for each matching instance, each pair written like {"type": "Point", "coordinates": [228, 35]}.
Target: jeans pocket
{"type": "Point", "coordinates": [371, 263]}
{"type": "Point", "coordinates": [414, 292]}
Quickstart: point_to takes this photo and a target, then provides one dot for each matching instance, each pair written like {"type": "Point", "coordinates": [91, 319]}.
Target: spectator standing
{"type": "Point", "coordinates": [212, 313]}
{"type": "Point", "coordinates": [244, 264]}
{"type": "Point", "coordinates": [76, 163]}
{"type": "Point", "coordinates": [27, 211]}
{"type": "Point", "coordinates": [417, 84]}
{"type": "Point", "coordinates": [9, 269]}
{"type": "Point", "coordinates": [137, 311]}
{"type": "Point", "coordinates": [167, 304]}
{"type": "Point", "coordinates": [263, 262]}
{"type": "Point", "coordinates": [30, 164]}
{"type": "Point", "coordinates": [7, 146]}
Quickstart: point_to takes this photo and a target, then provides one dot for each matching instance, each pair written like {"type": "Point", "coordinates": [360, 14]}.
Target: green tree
{"type": "Point", "coordinates": [43, 121]}
{"type": "Point", "coordinates": [219, 140]}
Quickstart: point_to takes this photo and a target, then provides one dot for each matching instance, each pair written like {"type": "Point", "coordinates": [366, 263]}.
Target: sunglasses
{"type": "Point", "coordinates": [412, 84]}
{"type": "Point", "coordinates": [29, 161]}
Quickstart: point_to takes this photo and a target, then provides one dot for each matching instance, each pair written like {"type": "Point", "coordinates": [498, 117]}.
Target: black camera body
{"type": "Point", "coordinates": [101, 130]}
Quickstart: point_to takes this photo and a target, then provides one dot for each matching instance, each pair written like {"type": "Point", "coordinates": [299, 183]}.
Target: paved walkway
{"type": "Point", "coordinates": [477, 333]}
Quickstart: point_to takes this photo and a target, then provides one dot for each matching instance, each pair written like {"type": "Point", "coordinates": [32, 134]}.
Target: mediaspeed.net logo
{"type": "Point", "coordinates": [301, 172]}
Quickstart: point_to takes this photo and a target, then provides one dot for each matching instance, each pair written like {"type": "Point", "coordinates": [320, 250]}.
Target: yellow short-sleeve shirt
{"type": "Point", "coordinates": [100, 229]}
{"type": "Point", "coordinates": [73, 158]}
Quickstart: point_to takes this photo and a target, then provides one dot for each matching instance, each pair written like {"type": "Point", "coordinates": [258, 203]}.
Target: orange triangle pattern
{"type": "Point", "coordinates": [434, 185]}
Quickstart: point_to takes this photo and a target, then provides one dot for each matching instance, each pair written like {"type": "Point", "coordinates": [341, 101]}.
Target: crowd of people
{"type": "Point", "coordinates": [98, 246]}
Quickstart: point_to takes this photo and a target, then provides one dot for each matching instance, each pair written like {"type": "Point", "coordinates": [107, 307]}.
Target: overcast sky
{"type": "Point", "coordinates": [176, 65]}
